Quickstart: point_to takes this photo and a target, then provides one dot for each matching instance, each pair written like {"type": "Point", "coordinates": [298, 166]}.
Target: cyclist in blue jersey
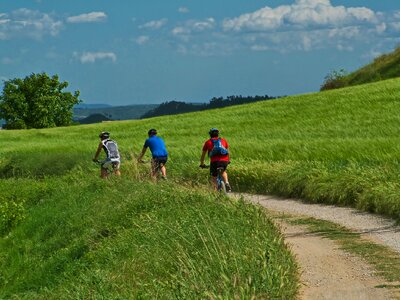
{"type": "Point", "coordinates": [158, 152]}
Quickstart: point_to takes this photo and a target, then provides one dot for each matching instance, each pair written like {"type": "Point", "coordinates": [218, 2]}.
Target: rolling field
{"type": "Point", "coordinates": [338, 147]}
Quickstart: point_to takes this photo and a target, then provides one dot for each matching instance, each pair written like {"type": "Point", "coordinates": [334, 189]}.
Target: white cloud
{"type": "Point", "coordinates": [143, 39]}
{"type": "Point", "coordinates": [96, 16]}
{"type": "Point", "coordinates": [259, 48]}
{"type": "Point", "coordinates": [202, 25]}
{"type": "Point", "coordinates": [7, 61]}
{"type": "Point", "coordinates": [372, 54]}
{"type": "Point", "coordinates": [381, 28]}
{"type": "Point", "coordinates": [350, 32]}
{"type": "Point", "coordinates": [395, 26]}
{"type": "Point", "coordinates": [301, 14]}
{"type": "Point", "coordinates": [193, 26]}
{"type": "Point", "coordinates": [183, 10]}
{"type": "Point", "coordinates": [92, 57]}
{"type": "Point", "coordinates": [180, 30]}
{"type": "Point", "coordinates": [306, 25]}
{"type": "Point", "coordinates": [28, 23]}
{"type": "Point", "coordinates": [156, 24]}
{"type": "Point", "coordinates": [347, 48]}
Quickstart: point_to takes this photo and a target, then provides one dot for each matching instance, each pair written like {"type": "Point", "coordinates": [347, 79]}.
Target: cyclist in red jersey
{"type": "Point", "coordinates": [217, 150]}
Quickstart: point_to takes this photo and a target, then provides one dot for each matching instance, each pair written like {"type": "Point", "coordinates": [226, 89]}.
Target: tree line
{"type": "Point", "coordinates": [39, 101]}
{"type": "Point", "coordinates": [178, 107]}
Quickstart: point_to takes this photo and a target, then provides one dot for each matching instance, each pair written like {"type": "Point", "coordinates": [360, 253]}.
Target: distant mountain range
{"type": "Point", "coordinates": [90, 106]}
{"type": "Point", "coordinates": [128, 112]}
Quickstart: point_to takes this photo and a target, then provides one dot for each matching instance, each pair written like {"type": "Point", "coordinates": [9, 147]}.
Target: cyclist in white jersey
{"type": "Point", "coordinates": [112, 160]}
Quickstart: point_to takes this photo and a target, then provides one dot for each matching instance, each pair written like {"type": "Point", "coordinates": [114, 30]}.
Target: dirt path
{"type": "Point", "coordinates": [327, 271]}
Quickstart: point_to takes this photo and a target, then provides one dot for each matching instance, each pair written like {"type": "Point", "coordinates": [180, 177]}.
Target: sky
{"type": "Point", "coordinates": [126, 52]}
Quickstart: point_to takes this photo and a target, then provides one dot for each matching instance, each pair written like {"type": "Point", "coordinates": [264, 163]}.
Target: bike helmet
{"type": "Point", "coordinates": [104, 135]}
{"type": "Point", "coordinates": [213, 132]}
{"type": "Point", "coordinates": [152, 132]}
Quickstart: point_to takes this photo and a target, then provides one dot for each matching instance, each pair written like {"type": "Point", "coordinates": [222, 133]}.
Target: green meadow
{"type": "Point", "coordinates": [68, 234]}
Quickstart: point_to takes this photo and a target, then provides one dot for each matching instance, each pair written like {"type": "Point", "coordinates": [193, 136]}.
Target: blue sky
{"type": "Point", "coordinates": [135, 52]}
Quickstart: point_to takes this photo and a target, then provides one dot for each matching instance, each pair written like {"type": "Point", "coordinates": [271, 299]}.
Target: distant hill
{"type": "Point", "coordinates": [383, 67]}
{"type": "Point", "coordinates": [89, 106]}
{"type": "Point", "coordinates": [177, 107]}
{"type": "Point", "coordinates": [95, 118]}
{"type": "Point", "coordinates": [129, 112]}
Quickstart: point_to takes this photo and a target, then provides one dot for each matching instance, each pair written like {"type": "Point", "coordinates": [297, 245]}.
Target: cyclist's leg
{"type": "Point", "coordinates": [103, 173]}
{"type": "Point", "coordinates": [104, 169]}
{"type": "Point", "coordinates": [162, 161]}
{"type": "Point", "coordinates": [116, 170]}
{"type": "Point", "coordinates": [155, 166]}
{"type": "Point", "coordinates": [214, 174]}
{"type": "Point", "coordinates": [163, 170]}
{"type": "Point", "coordinates": [224, 174]}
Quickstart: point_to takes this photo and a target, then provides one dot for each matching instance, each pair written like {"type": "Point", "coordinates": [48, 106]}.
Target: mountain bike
{"type": "Point", "coordinates": [221, 186]}
{"type": "Point", "coordinates": [157, 168]}
{"type": "Point", "coordinates": [109, 167]}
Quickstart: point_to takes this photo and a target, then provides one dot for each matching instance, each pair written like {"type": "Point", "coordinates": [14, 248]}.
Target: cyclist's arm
{"type": "Point", "coordinates": [142, 153]}
{"type": "Point", "coordinates": [203, 155]}
{"type": "Point", "coordinates": [96, 156]}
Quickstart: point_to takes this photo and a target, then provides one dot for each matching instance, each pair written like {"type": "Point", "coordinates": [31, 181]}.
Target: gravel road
{"type": "Point", "coordinates": [326, 271]}
{"type": "Point", "coordinates": [377, 228]}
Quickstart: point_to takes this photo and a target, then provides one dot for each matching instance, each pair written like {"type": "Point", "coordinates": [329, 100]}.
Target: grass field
{"type": "Point", "coordinates": [86, 238]}
{"type": "Point", "coordinates": [338, 147]}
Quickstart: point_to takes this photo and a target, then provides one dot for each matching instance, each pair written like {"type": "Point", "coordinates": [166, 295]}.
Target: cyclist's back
{"type": "Point", "coordinates": [217, 149]}
{"type": "Point", "coordinates": [156, 145]}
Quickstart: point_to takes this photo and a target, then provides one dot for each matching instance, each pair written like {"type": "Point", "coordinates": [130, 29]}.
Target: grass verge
{"type": "Point", "coordinates": [119, 239]}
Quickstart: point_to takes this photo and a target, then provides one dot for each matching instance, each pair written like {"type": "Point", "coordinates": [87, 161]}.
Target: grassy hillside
{"type": "Point", "coordinates": [383, 67]}
{"type": "Point", "coordinates": [67, 234]}
{"type": "Point", "coordinates": [340, 146]}
{"type": "Point", "coordinates": [84, 238]}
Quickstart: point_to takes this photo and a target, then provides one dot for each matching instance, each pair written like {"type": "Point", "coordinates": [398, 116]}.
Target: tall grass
{"type": "Point", "coordinates": [339, 147]}
{"type": "Point", "coordinates": [119, 239]}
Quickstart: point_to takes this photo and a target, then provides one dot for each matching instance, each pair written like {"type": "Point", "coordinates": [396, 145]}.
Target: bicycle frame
{"type": "Point", "coordinates": [221, 187]}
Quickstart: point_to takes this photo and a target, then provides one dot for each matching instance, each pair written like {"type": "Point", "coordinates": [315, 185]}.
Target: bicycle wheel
{"type": "Point", "coordinates": [221, 186]}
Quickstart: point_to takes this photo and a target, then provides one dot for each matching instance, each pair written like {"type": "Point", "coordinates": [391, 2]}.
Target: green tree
{"type": "Point", "coordinates": [37, 101]}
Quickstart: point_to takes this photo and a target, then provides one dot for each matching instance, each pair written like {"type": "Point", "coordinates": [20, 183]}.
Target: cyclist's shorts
{"type": "Point", "coordinates": [158, 161]}
{"type": "Point", "coordinates": [110, 163]}
{"type": "Point", "coordinates": [217, 164]}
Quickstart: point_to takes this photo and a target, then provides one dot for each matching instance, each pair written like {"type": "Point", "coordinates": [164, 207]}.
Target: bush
{"type": "Point", "coordinates": [334, 80]}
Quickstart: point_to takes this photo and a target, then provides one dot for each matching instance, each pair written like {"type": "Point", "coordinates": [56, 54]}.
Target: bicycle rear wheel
{"type": "Point", "coordinates": [222, 186]}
